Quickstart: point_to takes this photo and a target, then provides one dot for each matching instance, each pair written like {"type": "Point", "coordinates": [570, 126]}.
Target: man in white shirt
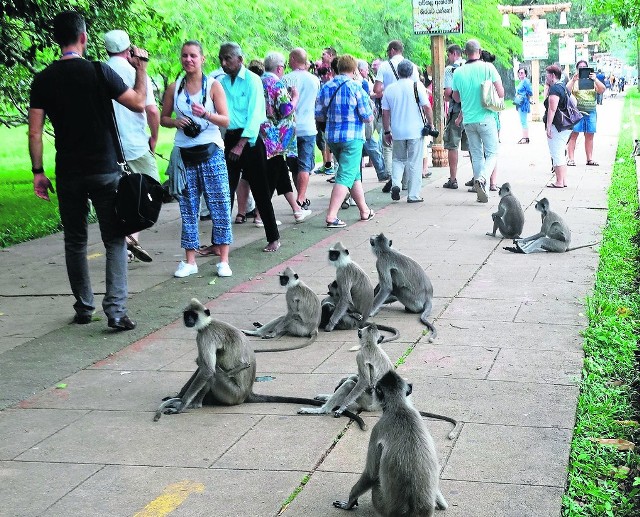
{"type": "Point", "coordinates": [308, 86]}
{"type": "Point", "coordinates": [405, 107]}
{"type": "Point", "coordinates": [387, 75]}
{"type": "Point", "coordinates": [137, 145]}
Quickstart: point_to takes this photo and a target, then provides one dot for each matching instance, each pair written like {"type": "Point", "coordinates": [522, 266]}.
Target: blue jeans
{"type": "Point", "coordinates": [372, 150]}
{"type": "Point", "coordinates": [74, 194]}
{"type": "Point", "coordinates": [483, 147]}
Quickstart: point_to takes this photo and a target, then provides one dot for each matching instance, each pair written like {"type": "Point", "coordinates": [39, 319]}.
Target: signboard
{"type": "Point", "coordinates": [567, 50]}
{"type": "Point", "coordinates": [437, 16]}
{"type": "Point", "coordinates": [535, 39]}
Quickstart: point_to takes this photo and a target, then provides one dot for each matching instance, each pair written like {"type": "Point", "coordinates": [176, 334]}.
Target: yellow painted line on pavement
{"type": "Point", "coordinates": [172, 497]}
{"type": "Point", "coordinates": [94, 255]}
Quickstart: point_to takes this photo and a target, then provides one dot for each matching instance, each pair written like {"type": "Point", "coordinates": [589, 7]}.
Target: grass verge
{"type": "Point", "coordinates": [603, 477]}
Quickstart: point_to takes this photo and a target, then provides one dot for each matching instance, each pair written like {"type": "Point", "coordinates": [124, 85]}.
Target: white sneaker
{"type": "Point", "coordinates": [223, 269]}
{"type": "Point", "coordinates": [260, 224]}
{"type": "Point", "coordinates": [185, 269]}
{"type": "Point", "coordinates": [301, 215]}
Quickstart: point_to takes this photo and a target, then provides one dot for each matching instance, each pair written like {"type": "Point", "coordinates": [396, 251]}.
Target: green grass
{"type": "Point", "coordinates": [23, 216]}
{"type": "Point", "coordinates": [603, 481]}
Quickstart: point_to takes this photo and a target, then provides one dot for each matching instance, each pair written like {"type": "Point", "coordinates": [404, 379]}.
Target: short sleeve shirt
{"type": "Point", "coordinates": [467, 81]}
{"type": "Point", "coordinates": [71, 96]}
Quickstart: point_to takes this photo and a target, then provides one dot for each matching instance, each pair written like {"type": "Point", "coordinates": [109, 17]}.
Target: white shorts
{"type": "Point", "coordinates": [558, 146]}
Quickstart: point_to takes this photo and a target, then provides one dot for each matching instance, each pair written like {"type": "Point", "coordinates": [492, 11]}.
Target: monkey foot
{"type": "Point", "coordinates": [514, 249]}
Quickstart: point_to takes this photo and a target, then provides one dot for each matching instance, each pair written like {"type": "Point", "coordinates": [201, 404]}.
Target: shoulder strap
{"type": "Point", "coordinates": [333, 96]}
{"type": "Point", "coordinates": [113, 124]}
{"type": "Point", "coordinates": [415, 93]}
{"type": "Point", "coordinates": [393, 70]}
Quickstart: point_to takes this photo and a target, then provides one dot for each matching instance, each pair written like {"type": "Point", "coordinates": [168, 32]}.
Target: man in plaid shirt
{"type": "Point", "coordinates": [345, 107]}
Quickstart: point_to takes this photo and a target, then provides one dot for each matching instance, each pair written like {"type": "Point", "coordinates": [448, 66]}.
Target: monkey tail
{"type": "Point", "coordinates": [395, 333]}
{"type": "Point", "coordinates": [314, 336]}
{"type": "Point", "coordinates": [429, 325]}
{"type": "Point", "coordinates": [583, 246]}
{"type": "Point", "coordinates": [456, 425]}
{"type": "Point", "coordinates": [254, 397]}
{"type": "Point", "coordinates": [162, 406]}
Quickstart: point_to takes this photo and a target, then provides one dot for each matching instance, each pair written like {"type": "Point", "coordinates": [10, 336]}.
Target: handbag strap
{"type": "Point", "coordinates": [112, 123]}
{"type": "Point", "coordinates": [333, 96]}
{"type": "Point", "coordinates": [415, 93]}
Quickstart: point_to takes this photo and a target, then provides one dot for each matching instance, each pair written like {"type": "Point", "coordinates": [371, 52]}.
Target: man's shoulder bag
{"type": "Point", "coordinates": [490, 98]}
{"type": "Point", "coordinates": [139, 197]}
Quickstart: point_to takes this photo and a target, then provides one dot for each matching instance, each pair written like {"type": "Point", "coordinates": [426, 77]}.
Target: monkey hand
{"type": "Point", "coordinates": [491, 234]}
{"type": "Point", "coordinates": [330, 326]}
{"type": "Point", "coordinates": [257, 324]}
{"type": "Point", "coordinates": [338, 412]}
{"type": "Point", "coordinates": [344, 505]}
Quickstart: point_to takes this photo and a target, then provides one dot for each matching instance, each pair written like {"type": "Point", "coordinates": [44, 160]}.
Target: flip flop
{"type": "Point", "coordinates": [369, 217]}
{"type": "Point", "coordinates": [241, 218]}
{"type": "Point", "coordinates": [592, 163]}
{"type": "Point", "coordinates": [553, 185]}
{"type": "Point", "coordinates": [272, 247]}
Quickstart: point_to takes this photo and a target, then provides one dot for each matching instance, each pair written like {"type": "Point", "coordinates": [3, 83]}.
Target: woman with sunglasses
{"type": "Point", "coordinates": [200, 106]}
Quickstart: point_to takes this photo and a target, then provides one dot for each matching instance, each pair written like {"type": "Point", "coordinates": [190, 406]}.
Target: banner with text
{"type": "Point", "coordinates": [437, 16]}
{"type": "Point", "coordinates": [535, 39]}
{"type": "Point", "coordinates": [566, 50]}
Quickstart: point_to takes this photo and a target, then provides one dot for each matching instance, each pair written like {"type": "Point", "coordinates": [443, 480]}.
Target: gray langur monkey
{"type": "Point", "coordinates": [353, 292]}
{"type": "Point", "coordinates": [401, 468]}
{"type": "Point", "coordinates": [554, 235]}
{"type": "Point", "coordinates": [509, 219]}
{"type": "Point", "coordinates": [354, 393]}
{"type": "Point", "coordinates": [402, 279]}
{"type": "Point", "coordinates": [302, 317]}
{"type": "Point", "coordinates": [350, 321]}
{"type": "Point", "coordinates": [226, 368]}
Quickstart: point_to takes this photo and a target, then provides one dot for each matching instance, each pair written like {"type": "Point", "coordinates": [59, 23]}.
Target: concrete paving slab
{"type": "Point", "coordinates": [494, 402]}
{"type": "Point", "coordinates": [517, 290]}
{"type": "Point", "coordinates": [29, 427]}
{"type": "Point", "coordinates": [207, 491]}
{"type": "Point", "coordinates": [498, 499]}
{"type": "Point", "coordinates": [489, 457]}
{"type": "Point", "coordinates": [442, 360]}
{"type": "Point", "coordinates": [53, 481]}
{"type": "Point", "coordinates": [519, 336]}
{"type": "Point", "coordinates": [564, 312]}
{"type": "Point", "coordinates": [132, 438]}
{"type": "Point", "coordinates": [482, 310]}
{"type": "Point", "coordinates": [149, 353]}
{"type": "Point", "coordinates": [549, 366]}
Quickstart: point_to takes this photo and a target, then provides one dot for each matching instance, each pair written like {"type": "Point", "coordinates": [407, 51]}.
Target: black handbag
{"type": "Point", "coordinates": [569, 116]}
{"type": "Point", "coordinates": [138, 197]}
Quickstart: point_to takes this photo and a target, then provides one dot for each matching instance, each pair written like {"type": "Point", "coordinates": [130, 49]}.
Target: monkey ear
{"type": "Point", "coordinates": [409, 389]}
{"type": "Point", "coordinates": [207, 312]}
{"type": "Point", "coordinates": [346, 252]}
{"type": "Point", "coordinates": [390, 242]}
{"type": "Point", "coordinates": [295, 276]}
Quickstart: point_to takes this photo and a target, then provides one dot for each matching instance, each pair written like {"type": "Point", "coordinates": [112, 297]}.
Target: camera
{"type": "Point", "coordinates": [192, 129]}
{"type": "Point", "coordinates": [429, 130]}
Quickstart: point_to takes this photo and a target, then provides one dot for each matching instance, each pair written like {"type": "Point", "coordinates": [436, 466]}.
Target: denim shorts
{"type": "Point", "coordinates": [306, 150]}
{"type": "Point", "coordinates": [587, 124]}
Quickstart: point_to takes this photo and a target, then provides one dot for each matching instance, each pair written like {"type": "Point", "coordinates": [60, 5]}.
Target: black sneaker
{"type": "Point", "coordinates": [305, 204]}
{"type": "Point", "coordinates": [387, 187]}
{"type": "Point", "coordinates": [452, 184]}
{"type": "Point", "coordinates": [469, 183]}
{"type": "Point", "coordinates": [395, 193]}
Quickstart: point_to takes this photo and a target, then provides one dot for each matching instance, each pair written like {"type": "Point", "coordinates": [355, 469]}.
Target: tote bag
{"type": "Point", "coordinates": [490, 98]}
{"type": "Point", "coordinates": [569, 116]}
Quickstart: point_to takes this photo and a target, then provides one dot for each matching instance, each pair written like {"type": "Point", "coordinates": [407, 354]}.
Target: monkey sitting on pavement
{"type": "Point", "coordinates": [401, 278]}
{"type": "Point", "coordinates": [554, 235]}
{"type": "Point", "coordinates": [302, 317]}
{"type": "Point", "coordinates": [226, 368]}
{"type": "Point", "coordinates": [509, 219]}
{"type": "Point", "coordinates": [355, 392]}
{"type": "Point", "coordinates": [350, 321]}
{"type": "Point", "coordinates": [353, 293]}
{"type": "Point", "coordinates": [401, 468]}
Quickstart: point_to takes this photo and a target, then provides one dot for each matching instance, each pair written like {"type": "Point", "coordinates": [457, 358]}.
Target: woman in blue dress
{"type": "Point", "coordinates": [523, 103]}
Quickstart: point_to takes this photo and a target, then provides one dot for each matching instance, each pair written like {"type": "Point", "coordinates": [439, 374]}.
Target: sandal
{"type": "Point", "coordinates": [370, 216]}
{"type": "Point", "coordinates": [523, 141]}
{"type": "Point", "coordinates": [336, 223]}
{"type": "Point", "coordinates": [241, 218]}
{"type": "Point", "coordinates": [592, 163]}
{"type": "Point", "coordinates": [493, 188]}
{"type": "Point", "coordinates": [571, 163]}
{"type": "Point", "coordinates": [272, 246]}
{"type": "Point", "coordinates": [205, 251]}
{"type": "Point", "coordinates": [553, 185]}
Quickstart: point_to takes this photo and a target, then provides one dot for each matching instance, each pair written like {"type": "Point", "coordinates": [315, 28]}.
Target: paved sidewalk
{"type": "Point", "coordinates": [506, 361]}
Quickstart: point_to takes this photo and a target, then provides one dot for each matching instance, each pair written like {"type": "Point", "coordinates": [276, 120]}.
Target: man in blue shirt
{"type": "Point", "coordinates": [244, 149]}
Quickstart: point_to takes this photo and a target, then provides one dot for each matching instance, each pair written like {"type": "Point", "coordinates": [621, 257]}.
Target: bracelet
{"type": "Point", "coordinates": [387, 132]}
{"type": "Point", "coordinates": [37, 170]}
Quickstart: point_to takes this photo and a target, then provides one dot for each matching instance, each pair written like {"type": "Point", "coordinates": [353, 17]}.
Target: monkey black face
{"type": "Point", "coordinates": [191, 317]}
{"type": "Point", "coordinates": [284, 280]}
{"type": "Point", "coordinates": [334, 255]}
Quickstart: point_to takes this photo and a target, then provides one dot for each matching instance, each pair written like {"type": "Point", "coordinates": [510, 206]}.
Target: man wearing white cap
{"type": "Point", "coordinates": [138, 146]}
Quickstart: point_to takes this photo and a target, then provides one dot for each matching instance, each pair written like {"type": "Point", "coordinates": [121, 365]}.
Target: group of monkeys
{"type": "Point", "coordinates": [554, 234]}
{"type": "Point", "coordinates": [402, 466]}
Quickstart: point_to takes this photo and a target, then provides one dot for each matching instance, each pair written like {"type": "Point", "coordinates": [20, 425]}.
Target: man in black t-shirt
{"type": "Point", "coordinates": [69, 92]}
